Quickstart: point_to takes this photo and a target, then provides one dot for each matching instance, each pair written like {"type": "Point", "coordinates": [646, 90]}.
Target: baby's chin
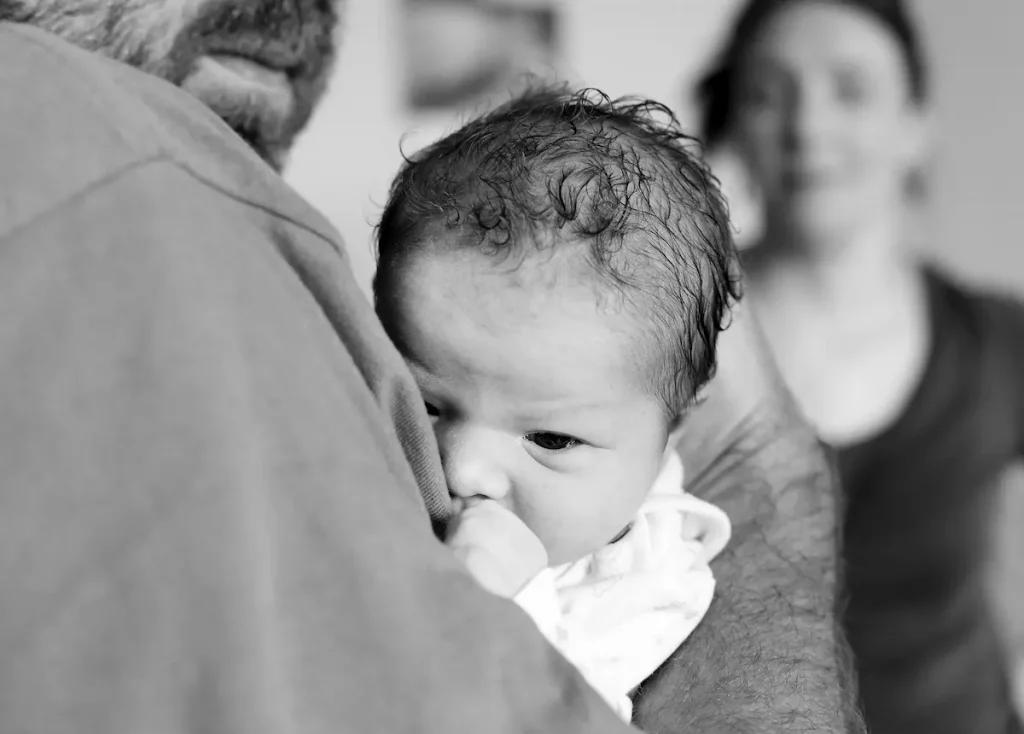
{"type": "Point", "coordinates": [560, 554]}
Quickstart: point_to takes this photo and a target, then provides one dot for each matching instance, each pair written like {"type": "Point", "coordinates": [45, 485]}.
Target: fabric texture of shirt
{"type": "Point", "coordinates": [217, 473]}
{"type": "Point", "coordinates": [918, 526]}
{"type": "Point", "coordinates": [621, 612]}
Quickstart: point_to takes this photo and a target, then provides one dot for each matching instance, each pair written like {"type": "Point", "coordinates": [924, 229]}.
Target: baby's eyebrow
{"type": "Point", "coordinates": [542, 412]}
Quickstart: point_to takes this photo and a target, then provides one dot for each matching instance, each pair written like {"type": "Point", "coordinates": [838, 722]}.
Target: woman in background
{"type": "Point", "coordinates": [916, 381]}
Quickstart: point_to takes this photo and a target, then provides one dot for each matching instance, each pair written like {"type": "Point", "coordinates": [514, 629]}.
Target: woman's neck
{"type": "Point", "coordinates": [849, 326]}
{"type": "Point", "coordinates": [854, 268]}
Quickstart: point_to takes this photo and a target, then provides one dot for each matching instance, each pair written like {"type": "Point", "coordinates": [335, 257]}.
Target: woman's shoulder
{"type": "Point", "coordinates": [989, 312]}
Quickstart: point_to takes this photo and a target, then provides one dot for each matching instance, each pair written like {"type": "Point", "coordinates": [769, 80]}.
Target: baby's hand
{"type": "Point", "coordinates": [496, 546]}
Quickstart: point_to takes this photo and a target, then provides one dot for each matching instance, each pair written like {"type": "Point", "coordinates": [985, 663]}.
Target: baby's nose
{"type": "Point", "coordinates": [473, 467]}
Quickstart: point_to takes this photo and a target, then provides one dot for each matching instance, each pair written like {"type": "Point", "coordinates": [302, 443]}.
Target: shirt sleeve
{"type": "Point", "coordinates": [1015, 343]}
{"type": "Point", "coordinates": [201, 527]}
{"type": "Point", "coordinates": [1006, 324]}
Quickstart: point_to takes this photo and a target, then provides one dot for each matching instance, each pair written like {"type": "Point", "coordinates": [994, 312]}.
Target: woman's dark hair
{"type": "Point", "coordinates": [716, 91]}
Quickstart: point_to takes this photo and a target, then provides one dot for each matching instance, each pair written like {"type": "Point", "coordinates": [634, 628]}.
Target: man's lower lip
{"type": "Point", "coordinates": [233, 87]}
{"type": "Point", "coordinates": [250, 69]}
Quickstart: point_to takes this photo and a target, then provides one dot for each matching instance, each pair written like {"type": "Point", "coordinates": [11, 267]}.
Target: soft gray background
{"type": "Point", "coordinates": [345, 161]}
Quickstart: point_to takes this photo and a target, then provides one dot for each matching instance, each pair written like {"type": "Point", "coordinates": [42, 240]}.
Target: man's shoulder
{"type": "Point", "coordinates": [67, 124]}
{"type": "Point", "coordinates": [75, 119]}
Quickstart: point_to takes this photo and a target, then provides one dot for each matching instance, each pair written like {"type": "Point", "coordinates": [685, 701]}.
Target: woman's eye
{"type": "Point", "coordinates": [757, 97]}
{"type": "Point", "coordinates": [852, 92]}
{"type": "Point", "coordinates": [553, 441]}
{"type": "Point", "coordinates": [765, 92]}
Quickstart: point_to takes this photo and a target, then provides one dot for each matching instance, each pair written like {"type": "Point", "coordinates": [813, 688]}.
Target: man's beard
{"type": "Point", "coordinates": [292, 37]}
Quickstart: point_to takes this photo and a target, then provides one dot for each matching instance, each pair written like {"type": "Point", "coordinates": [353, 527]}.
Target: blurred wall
{"type": "Point", "coordinates": [345, 161]}
{"type": "Point", "coordinates": [978, 60]}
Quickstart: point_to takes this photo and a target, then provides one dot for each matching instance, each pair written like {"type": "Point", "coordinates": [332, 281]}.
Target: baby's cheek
{"type": "Point", "coordinates": [575, 517]}
{"type": "Point", "coordinates": [622, 511]}
{"type": "Point", "coordinates": [618, 497]}
{"type": "Point", "coordinates": [539, 516]}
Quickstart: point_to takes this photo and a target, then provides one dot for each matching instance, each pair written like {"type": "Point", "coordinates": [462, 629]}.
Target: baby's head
{"type": "Point", "coordinates": [556, 273]}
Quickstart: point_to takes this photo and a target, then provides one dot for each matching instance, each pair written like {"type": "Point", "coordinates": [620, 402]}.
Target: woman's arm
{"type": "Point", "coordinates": [1008, 572]}
{"type": "Point", "coordinates": [768, 656]}
{"type": "Point", "coordinates": [1006, 320]}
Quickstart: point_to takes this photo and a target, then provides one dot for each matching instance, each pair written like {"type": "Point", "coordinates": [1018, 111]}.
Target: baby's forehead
{"type": "Point", "coordinates": [553, 298]}
{"type": "Point", "coordinates": [536, 270]}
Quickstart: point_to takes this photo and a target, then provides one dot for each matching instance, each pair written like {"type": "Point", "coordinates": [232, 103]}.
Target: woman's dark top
{"type": "Point", "coordinates": [918, 524]}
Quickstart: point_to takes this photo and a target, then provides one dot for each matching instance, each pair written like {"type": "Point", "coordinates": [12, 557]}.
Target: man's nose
{"type": "Point", "coordinates": [473, 464]}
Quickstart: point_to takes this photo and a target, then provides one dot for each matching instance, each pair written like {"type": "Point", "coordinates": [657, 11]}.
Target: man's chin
{"type": "Point", "coordinates": [257, 102]}
{"type": "Point", "coordinates": [274, 155]}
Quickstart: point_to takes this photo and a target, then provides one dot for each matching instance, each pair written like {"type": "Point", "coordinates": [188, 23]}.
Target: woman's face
{"type": "Point", "coordinates": [825, 118]}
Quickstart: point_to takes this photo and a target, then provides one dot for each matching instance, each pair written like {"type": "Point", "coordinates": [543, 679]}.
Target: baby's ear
{"type": "Point", "coordinates": [675, 431]}
{"type": "Point", "coordinates": [675, 427]}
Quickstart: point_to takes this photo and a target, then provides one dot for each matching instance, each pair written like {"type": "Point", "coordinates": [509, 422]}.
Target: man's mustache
{"type": "Point", "coordinates": [291, 36]}
{"type": "Point", "coordinates": [295, 36]}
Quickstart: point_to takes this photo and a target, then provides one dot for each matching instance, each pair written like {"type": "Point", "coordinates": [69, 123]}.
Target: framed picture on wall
{"type": "Point", "coordinates": [466, 54]}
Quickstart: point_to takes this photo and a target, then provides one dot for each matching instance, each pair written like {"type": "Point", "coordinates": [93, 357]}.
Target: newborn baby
{"type": "Point", "coordinates": [555, 274]}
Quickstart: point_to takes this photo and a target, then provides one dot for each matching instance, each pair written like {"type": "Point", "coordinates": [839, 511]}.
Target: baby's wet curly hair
{"type": "Point", "coordinates": [554, 167]}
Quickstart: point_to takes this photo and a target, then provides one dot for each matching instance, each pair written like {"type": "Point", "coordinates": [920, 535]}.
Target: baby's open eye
{"type": "Point", "coordinates": [552, 441]}
{"type": "Point", "coordinates": [431, 410]}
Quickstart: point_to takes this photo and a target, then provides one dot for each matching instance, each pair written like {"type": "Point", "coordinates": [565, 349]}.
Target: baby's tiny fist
{"type": "Point", "coordinates": [497, 548]}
